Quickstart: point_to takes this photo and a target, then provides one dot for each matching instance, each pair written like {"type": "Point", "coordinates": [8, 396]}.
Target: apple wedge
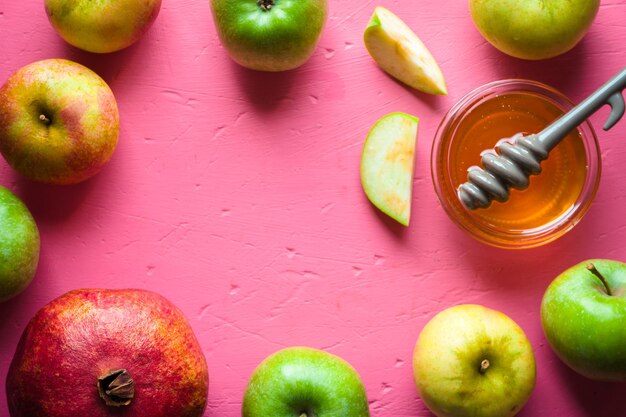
{"type": "Point", "coordinates": [387, 165]}
{"type": "Point", "coordinates": [401, 54]}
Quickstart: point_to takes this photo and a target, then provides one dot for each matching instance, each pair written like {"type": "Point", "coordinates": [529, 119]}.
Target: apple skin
{"type": "Point", "coordinates": [387, 165]}
{"type": "Point", "coordinates": [583, 324]}
{"type": "Point", "coordinates": [102, 26]}
{"type": "Point", "coordinates": [447, 363]}
{"type": "Point", "coordinates": [82, 126]}
{"type": "Point", "coordinates": [280, 38]}
{"type": "Point", "coordinates": [301, 381]}
{"type": "Point", "coordinates": [401, 53]}
{"type": "Point", "coordinates": [533, 29]}
{"type": "Point", "coordinates": [19, 245]}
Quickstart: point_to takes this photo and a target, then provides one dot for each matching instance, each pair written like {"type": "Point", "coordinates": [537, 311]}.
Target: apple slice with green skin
{"type": "Point", "coordinates": [400, 53]}
{"type": "Point", "coordinates": [387, 165]}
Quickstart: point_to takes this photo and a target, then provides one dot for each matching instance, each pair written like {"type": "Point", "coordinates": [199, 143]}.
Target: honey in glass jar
{"type": "Point", "coordinates": [554, 201]}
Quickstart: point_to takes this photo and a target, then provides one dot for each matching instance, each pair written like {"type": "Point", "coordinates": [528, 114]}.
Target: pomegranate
{"type": "Point", "coordinates": [97, 352]}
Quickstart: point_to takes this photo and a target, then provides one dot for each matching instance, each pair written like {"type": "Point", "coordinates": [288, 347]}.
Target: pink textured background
{"type": "Point", "coordinates": [236, 194]}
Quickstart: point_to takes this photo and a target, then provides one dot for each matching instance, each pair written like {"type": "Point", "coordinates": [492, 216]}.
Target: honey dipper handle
{"type": "Point", "coordinates": [610, 93]}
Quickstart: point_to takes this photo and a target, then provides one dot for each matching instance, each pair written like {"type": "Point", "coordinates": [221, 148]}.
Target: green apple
{"type": "Point", "coordinates": [583, 314]}
{"type": "Point", "coordinates": [19, 245]}
{"type": "Point", "coordinates": [59, 122]}
{"type": "Point", "coordinates": [387, 165]}
{"type": "Point", "coordinates": [269, 35]}
{"type": "Point", "coordinates": [102, 26]}
{"type": "Point", "coordinates": [400, 53]}
{"type": "Point", "coordinates": [304, 382]}
{"type": "Point", "coordinates": [533, 29]}
{"type": "Point", "coordinates": [470, 360]}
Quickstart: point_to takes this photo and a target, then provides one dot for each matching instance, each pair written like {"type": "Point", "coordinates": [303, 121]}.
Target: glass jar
{"type": "Point", "coordinates": [555, 200]}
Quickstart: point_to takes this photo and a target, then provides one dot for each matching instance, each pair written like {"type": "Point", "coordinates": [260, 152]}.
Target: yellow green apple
{"type": "Point", "coordinates": [387, 165]}
{"type": "Point", "coordinates": [401, 53]}
{"type": "Point", "coordinates": [269, 35]}
{"type": "Point", "coordinates": [472, 361]}
{"type": "Point", "coordinates": [533, 29]}
{"type": "Point", "coordinates": [59, 122]}
{"type": "Point", "coordinates": [102, 26]}
{"type": "Point", "coordinates": [19, 245]}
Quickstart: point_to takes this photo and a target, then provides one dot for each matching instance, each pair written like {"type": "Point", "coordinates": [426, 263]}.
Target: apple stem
{"type": "Point", "coordinates": [265, 4]}
{"type": "Point", "coordinates": [484, 365]}
{"type": "Point", "coordinates": [592, 268]}
{"type": "Point", "coordinates": [44, 119]}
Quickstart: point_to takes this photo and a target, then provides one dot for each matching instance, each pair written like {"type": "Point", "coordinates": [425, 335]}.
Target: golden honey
{"type": "Point", "coordinates": [555, 199]}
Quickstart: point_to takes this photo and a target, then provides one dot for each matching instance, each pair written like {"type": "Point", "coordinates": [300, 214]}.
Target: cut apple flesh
{"type": "Point", "coordinates": [387, 165]}
{"type": "Point", "coordinates": [400, 53]}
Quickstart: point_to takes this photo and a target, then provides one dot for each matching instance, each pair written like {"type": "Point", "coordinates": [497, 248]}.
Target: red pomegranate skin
{"type": "Point", "coordinates": [87, 333]}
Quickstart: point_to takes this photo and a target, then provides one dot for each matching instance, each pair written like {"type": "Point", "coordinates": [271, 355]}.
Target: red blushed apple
{"type": "Point", "coordinates": [99, 353]}
{"type": "Point", "coordinates": [59, 122]}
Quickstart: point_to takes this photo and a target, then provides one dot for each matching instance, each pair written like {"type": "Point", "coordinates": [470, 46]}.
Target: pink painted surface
{"type": "Point", "coordinates": [236, 194]}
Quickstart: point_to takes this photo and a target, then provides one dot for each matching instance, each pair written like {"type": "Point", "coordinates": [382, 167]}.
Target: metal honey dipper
{"type": "Point", "coordinates": [514, 159]}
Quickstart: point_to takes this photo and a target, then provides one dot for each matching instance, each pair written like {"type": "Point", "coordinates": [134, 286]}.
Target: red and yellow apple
{"type": "Point", "coordinates": [59, 122]}
{"type": "Point", "coordinates": [102, 26]}
{"type": "Point", "coordinates": [99, 353]}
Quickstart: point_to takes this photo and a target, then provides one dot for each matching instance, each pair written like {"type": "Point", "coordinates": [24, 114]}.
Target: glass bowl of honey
{"type": "Point", "coordinates": [555, 200]}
